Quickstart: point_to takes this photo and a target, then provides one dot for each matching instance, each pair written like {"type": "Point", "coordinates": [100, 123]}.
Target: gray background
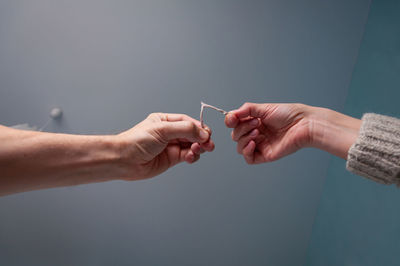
{"type": "Point", "coordinates": [110, 63]}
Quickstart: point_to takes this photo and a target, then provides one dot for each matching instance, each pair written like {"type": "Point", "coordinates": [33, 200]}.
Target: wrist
{"type": "Point", "coordinates": [103, 156]}
{"type": "Point", "coordinates": [332, 131]}
{"type": "Point", "coordinates": [121, 150]}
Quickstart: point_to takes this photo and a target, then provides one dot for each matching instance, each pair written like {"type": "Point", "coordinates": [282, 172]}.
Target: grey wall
{"type": "Point", "coordinates": [110, 63]}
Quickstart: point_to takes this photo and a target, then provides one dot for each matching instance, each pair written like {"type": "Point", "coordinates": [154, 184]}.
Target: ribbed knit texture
{"type": "Point", "coordinates": [376, 152]}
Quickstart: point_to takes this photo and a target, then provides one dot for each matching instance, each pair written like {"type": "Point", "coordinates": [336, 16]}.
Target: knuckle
{"type": "Point", "coordinates": [185, 117]}
{"type": "Point", "coordinates": [186, 124]}
{"type": "Point", "coordinates": [191, 127]}
{"type": "Point", "coordinates": [160, 129]}
{"type": "Point", "coordinates": [153, 116]}
{"type": "Point", "coordinates": [246, 105]}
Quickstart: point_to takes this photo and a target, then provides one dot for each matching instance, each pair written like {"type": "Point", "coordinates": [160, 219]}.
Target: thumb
{"type": "Point", "coordinates": [183, 130]}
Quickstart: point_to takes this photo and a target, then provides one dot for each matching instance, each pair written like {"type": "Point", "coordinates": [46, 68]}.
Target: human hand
{"type": "Point", "coordinates": [162, 141]}
{"type": "Point", "coordinates": [268, 132]}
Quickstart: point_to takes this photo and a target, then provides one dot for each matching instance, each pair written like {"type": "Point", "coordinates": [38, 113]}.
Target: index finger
{"type": "Point", "coordinates": [177, 117]}
{"type": "Point", "coordinates": [232, 121]}
{"type": "Point", "coordinates": [173, 117]}
{"type": "Point", "coordinates": [250, 110]}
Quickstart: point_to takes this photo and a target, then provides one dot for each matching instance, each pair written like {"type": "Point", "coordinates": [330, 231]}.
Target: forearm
{"type": "Point", "coordinates": [332, 131]}
{"type": "Point", "coordinates": [35, 160]}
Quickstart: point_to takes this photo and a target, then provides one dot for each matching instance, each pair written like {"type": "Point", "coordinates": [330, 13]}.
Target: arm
{"type": "Point", "coordinates": [332, 131]}
{"type": "Point", "coordinates": [35, 160]}
{"type": "Point", "coordinates": [267, 132]}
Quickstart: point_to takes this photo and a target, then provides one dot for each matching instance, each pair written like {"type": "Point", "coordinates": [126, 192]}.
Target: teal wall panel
{"type": "Point", "coordinates": [358, 220]}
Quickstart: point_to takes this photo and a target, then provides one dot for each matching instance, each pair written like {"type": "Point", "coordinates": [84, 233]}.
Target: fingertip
{"type": "Point", "coordinates": [189, 157]}
{"type": "Point", "coordinates": [231, 120]}
{"type": "Point", "coordinates": [212, 145]}
{"type": "Point", "coordinates": [196, 149]}
{"type": "Point", "coordinates": [204, 135]}
{"type": "Point", "coordinates": [208, 146]}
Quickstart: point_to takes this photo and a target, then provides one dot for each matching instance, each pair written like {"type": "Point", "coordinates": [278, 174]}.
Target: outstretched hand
{"type": "Point", "coordinates": [267, 132]}
{"type": "Point", "coordinates": [162, 141]}
{"type": "Point", "coordinates": [32, 160]}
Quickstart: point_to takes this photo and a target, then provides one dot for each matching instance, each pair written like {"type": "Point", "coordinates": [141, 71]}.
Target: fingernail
{"type": "Point", "coordinates": [203, 134]}
{"type": "Point", "coordinates": [254, 122]}
{"type": "Point", "coordinates": [229, 119]}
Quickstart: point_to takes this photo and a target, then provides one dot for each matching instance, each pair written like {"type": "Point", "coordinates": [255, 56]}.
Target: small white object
{"type": "Point", "coordinates": [203, 105]}
{"type": "Point", "coordinates": [56, 113]}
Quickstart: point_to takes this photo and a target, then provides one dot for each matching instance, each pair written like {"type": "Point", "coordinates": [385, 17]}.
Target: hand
{"type": "Point", "coordinates": [162, 141]}
{"type": "Point", "coordinates": [268, 132]}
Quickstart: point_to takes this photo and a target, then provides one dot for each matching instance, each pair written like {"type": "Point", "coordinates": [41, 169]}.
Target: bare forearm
{"type": "Point", "coordinates": [35, 160]}
{"type": "Point", "coordinates": [332, 131]}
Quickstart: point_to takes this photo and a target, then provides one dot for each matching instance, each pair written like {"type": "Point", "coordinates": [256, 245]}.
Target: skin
{"type": "Point", "coordinates": [36, 160]}
{"type": "Point", "coordinates": [267, 132]}
{"type": "Point", "coordinates": [264, 132]}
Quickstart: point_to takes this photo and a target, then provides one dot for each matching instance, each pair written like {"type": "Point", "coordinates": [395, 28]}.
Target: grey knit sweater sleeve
{"type": "Point", "coordinates": [376, 152]}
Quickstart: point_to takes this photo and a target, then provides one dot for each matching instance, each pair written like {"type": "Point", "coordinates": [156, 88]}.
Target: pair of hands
{"type": "Point", "coordinates": [263, 132]}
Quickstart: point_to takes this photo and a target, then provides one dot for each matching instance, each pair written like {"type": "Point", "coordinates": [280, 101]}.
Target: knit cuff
{"type": "Point", "coordinates": [376, 152]}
